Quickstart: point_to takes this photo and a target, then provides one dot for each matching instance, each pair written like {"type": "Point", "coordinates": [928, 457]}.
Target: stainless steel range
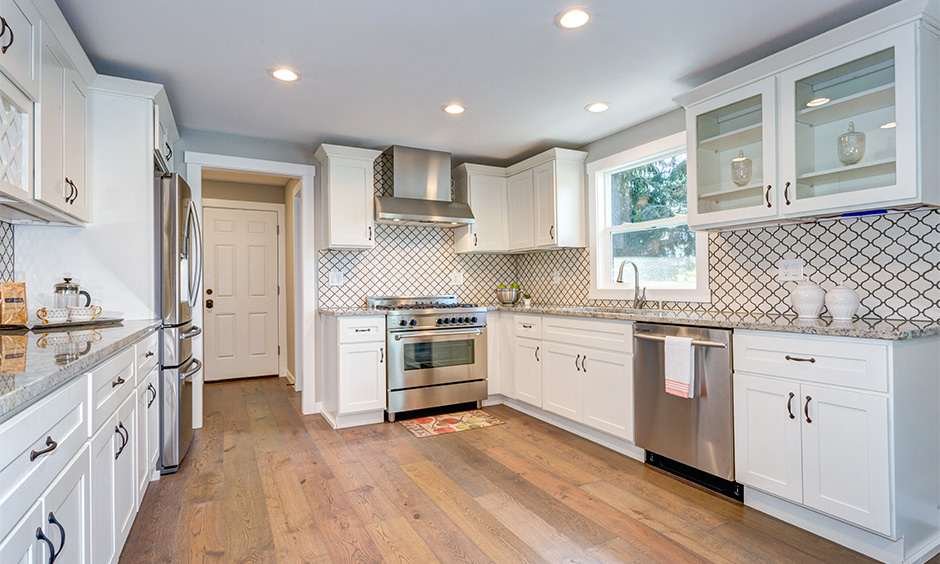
{"type": "Point", "coordinates": [436, 352]}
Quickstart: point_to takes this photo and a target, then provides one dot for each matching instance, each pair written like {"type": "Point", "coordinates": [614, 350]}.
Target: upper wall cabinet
{"type": "Point", "coordinates": [484, 188]}
{"type": "Point", "coordinates": [165, 134]}
{"type": "Point", "coordinates": [347, 192]}
{"type": "Point", "coordinates": [19, 38]}
{"type": "Point", "coordinates": [853, 129]}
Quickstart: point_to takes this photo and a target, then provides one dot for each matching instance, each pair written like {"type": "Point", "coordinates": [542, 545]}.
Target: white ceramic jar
{"type": "Point", "coordinates": [842, 303]}
{"type": "Point", "coordinates": [807, 299]}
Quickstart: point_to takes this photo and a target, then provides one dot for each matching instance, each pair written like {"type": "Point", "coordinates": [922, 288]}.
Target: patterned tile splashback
{"type": "Point", "coordinates": [6, 251]}
{"type": "Point", "coordinates": [893, 261]}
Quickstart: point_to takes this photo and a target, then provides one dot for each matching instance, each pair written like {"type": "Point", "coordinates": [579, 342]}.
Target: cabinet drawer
{"type": "Point", "coordinates": [847, 362]}
{"type": "Point", "coordinates": [111, 383]}
{"type": "Point", "coordinates": [528, 326]}
{"type": "Point", "coordinates": [56, 425]}
{"type": "Point", "coordinates": [146, 352]}
{"type": "Point", "coordinates": [361, 329]}
{"type": "Point", "coordinates": [605, 334]}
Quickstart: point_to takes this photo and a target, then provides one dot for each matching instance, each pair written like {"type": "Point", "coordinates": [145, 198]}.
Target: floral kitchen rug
{"type": "Point", "coordinates": [450, 423]}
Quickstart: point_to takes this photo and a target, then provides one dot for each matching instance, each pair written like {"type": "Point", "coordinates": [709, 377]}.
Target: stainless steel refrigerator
{"type": "Point", "coordinates": [179, 275]}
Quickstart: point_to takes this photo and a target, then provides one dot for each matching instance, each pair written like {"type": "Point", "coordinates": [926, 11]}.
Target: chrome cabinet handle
{"type": "Point", "coordinates": [53, 521]}
{"type": "Point", "coordinates": [40, 536]}
{"type": "Point", "coordinates": [767, 196]}
{"type": "Point", "coordinates": [118, 382]}
{"type": "Point", "coordinates": [576, 361]}
{"type": "Point", "coordinates": [5, 27]}
{"type": "Point", "coordinates": [810, 360]}
{"type": "Point", "coordinates": [537, 359]}
{"type": "Point", "coordinates": [786, 193]}
{"type": "Point", "coordinates": [790, 405]}
{"type": "Point", "coordinates": [51, 445]}
{"type": "Point", "coordinates": [806, 409]}
{"type": "Point", "coordinates": [381, 355]}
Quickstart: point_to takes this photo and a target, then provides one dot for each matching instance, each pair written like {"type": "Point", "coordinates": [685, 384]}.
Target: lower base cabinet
{"type": "Point", "coordinates": [561, 380]}
{"type": "Point", "coordinates": [114, 489]}
{"type": "Point", "coordinates": [67, 511]}
{"type": "Point", "coordinates": [23, 544]}
{"type": "Point", "coordinates": [607, 392]}
{"type": "Point", "coordinates": [527, 370]}
{"type": "Point", "coordinates": [356, 356]}
{"type": "Point", "coordinates": [148, 431]}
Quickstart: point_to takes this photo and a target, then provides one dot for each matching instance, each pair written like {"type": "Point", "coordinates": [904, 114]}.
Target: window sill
{"type": "Point", "coordinates": [660, 295]}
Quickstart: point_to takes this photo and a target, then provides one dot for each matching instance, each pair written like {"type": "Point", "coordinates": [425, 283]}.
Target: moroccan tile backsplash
{"type": "Point", "coordinates": [6, 251]}
{"type": "Point", "coordinates": [893, 261]}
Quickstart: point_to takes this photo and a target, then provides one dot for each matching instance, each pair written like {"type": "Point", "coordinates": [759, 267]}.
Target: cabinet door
{"type": "Point", "coordinates": [18, 41]}
{"type": "Point", "coordinates": [21, 544]}
{"type": "Point", "coordinates": [351, 203]}
{"type": "Point", "coordinates": [16, 129]}
{"type": "Point", "coordinates": [561, 380]}
{"type": "Point", "coordinates": [607, 392]}
{"type": "Point", "coordinates": [488, 202]}
{"type": "Point", "coordinates": [362, 377]}
{"type": "Point", "coordinates": [52, 188]}
{"type": "Point", "coordinates": [732, 157]}
{"type": "Point", "coordinates": [104, 445]}
{"type": "Point", "coordinates": [75, 145]}
{"type": "Point", "coordinates": [521, 211]}
{"type": "Point", "coordinates": [527, 370]}
{"type": "Point", "coordinates": [543, 179]}
{"type": "Point", "coordinates": [846, 456]}
{"type": "Point", "coordinates": [143, 434]}
{"type": "Point", "coordinates": [153, 424]}
{"type": "Point", "coordinates": [125, 476]}
{"type": "Point", "coordinates": [767, 447]}
{"type": "Point", "coordinates": [849, 126]}
{"type": "Point", "coordinates": [67, 511]}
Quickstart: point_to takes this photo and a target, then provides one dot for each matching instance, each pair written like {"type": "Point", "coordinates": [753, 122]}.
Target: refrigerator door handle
{"type": "Point", "coordinates": [193, 231]}
{"type": "Point", "coordinates": [195, 366]}
{"type": "Point", "coordinates": [191, 333]}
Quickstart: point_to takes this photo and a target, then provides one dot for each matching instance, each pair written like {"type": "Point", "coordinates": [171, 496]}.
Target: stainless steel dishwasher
{"type": "Point", "coordinates": [690, 437]}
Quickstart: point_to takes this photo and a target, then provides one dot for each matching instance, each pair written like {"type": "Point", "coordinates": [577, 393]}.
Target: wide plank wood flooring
{"type": "Point", "coordinates": [264, 484]}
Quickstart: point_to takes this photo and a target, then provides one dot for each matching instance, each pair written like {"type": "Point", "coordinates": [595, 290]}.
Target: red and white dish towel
{"type": "Point", "coordinates": [680, 367]}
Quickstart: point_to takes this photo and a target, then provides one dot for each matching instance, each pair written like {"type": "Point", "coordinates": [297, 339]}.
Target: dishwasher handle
{"type": "Point", "coordinates": [697, 343]}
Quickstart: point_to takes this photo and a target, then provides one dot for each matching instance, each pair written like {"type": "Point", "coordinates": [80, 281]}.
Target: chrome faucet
{"type": "Point", "coordinates": [639, 295]}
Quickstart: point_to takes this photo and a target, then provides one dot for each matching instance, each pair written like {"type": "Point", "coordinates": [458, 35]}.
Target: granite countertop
{"type": "Point", "coordinates": [885, 329]}
{"type": "Point", "coordinates": [54, 358]}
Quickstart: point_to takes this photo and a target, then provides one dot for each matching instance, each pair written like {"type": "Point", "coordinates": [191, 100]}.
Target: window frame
{"type": "Point", "coordinates": [603, 287]}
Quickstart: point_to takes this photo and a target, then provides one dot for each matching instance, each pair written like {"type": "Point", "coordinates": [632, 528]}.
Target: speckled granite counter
{"type": "Point", "coordinates": [52, 359]}
{"type": "Point", "coordinates": [887, 329]}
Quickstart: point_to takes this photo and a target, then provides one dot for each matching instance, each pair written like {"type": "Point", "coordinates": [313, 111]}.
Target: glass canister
{"type": "Point", "coordinates": [851, 145]}
{"type": "Point", "coordinates": [741, 169]}
{"type": "Point", "coordinates": [69, 294]}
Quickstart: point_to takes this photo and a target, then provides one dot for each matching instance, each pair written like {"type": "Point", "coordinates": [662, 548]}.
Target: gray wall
{"type": "Point", "coordinates": [240, 146]}
{"type": "Point", "coordinates": [241, 191]}
{"type": "Point", "coordinates": [644, 132]}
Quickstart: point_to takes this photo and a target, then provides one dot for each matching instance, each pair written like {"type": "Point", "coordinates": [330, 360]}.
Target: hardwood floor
{"type": "Point", "coordinates": [264, 484]}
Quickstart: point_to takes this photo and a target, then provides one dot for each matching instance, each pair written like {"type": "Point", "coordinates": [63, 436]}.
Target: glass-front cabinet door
{"type": "Point", "coordinates": [848, 128]}
{"type": "Point", "coordinates": [732, 156]}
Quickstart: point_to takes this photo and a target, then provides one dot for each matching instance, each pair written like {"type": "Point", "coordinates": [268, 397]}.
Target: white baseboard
{"type": "Point", "coordinates": [615, 444]}
{"type": "Point", "coordinates": [927, 550]}
{"type": "Point", "coordinates": [859, 540]}
{"type": "Point", "coordinates": [353, 419]}
{"type": "Point", "coordinates": [289, 376]}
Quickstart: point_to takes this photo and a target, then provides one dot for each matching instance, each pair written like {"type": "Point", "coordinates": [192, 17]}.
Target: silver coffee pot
{"type": "Point", "coordinates": [70, 294]}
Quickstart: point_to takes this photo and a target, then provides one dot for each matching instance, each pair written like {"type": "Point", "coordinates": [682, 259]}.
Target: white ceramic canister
{"type": "Point", "coordinates": [807, 299]}
{"type": "Point", "coordinates": [842, 303]}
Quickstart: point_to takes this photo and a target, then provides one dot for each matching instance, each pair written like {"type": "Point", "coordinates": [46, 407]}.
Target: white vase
{"type": "Point", "coordinates": [807, 299]}
{"type": "Point", "coordinates": [842, 303]}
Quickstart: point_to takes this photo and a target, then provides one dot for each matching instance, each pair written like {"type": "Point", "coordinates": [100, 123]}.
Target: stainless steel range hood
{"type": "Point", "coordinates": [421, 190]}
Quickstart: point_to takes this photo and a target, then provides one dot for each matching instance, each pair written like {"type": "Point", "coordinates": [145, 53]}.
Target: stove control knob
{"type": "Point", "coordinates": [453, 320]}
{"type": "Point", "coordinates": [412, 322]}
{"type": "Point", "coordinates": [473, 319]}
{"type": "Point", "coordinates": [446, 321]}
{"type": "Point", "coordinates": [439, 321]}
{"type": "Point", "coordinates": [463, 320]}
{"type": "Point", "coordinates": [402, 322]}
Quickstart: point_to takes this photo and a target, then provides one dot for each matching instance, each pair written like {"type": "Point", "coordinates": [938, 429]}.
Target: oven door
{"type": "Point", "coordinates": [441, 356]}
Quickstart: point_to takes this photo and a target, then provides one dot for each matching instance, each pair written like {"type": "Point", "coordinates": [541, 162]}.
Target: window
{"type": "Point", "coordinates": [639, 217]}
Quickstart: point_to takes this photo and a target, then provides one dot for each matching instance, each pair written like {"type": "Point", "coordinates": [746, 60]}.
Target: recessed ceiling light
{"type": "Point", "coordinates": [285, 74]}
{"type": "Point", "coordinates": [596, 107]}
{"type": "Point", "coordinates": [816, 102]}
{"type": "Point", "coordinates": [573, 18]}
{"type": "Point", "coordinates": [453, 109]}
{"type": "Point", "coordinates": [889, 125]}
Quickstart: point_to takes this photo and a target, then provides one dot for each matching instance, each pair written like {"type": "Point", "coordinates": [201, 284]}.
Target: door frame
{"type": "Point", "coordinates": [305, 298]}
{"type": "Point", "coordinates": [281, 266]}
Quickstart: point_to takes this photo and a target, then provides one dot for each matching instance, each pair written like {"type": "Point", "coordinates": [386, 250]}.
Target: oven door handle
{"type": "Point", "coordinates": [437, 333]}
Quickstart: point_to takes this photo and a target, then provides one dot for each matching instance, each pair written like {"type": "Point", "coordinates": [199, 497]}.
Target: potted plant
{"type": "Point", "coordinates": [526, 299]}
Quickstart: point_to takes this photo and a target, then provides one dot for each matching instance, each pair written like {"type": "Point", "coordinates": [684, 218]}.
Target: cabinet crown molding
{"type": "Point", "coordinates": [555, 153]}
{"type": "Point", "coordinates": [470, 168]}
{"type": "Point", "coordinates": [326, 151]}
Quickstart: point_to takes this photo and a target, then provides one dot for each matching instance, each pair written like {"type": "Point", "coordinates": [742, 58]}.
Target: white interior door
{"type": "Point", "coordinates": [240, 298]}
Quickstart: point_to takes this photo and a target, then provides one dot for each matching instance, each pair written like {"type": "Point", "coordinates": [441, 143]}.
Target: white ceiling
{"type": "Point", "coordinates": [376, 72]}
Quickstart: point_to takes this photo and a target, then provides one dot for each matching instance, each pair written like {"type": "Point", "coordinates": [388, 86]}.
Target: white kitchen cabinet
{"type": "Point", "coordinates": [75, 143]}
{"type": "Point", "coordinates": [484, 188]}
{"type": "Point", "coordinates": [881, 86]}
{"type": "Point", "coordinates": [67, 511]}
{"type": "Point", "coordinates": [846, 455]}
{"type": "Point", "coordinates": [521, 199]}
{"type": "Point", "coordinates": [114, 484]}
{"type": "Point", "coordinates": [16, 127]}
{"type": "Point", "coordinates": [18, 44]}
{"type": "Point", "coordinates": [51, 187]}
{"type": "Point", "coordinates": [148, 431]}
{"type": "Point", "coordinates": [347, 189]}
{"type": "Point", "coordinates": [355, 359]}
{"type": "Point", "coordinates": [361, 377]}
{"type": "Point", "coordinates": [561, 380]}
{"type": "Point", "coordinates": [543, 181]}
{"type": "Point", "coordinates": [527, 370]}
{"type": "Point", "coordinates": [165, 133]}
{"type": "Point", "coordinates": [767, 442]}
{"type": "Point", "coordinates": [607, 391]}
{"type": "Point", "coordinates": [22, 544]}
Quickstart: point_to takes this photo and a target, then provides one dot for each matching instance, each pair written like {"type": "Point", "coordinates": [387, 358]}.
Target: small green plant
{"type": "Point", "coordinates": [527, 295]}
{"type": "Point", "coordinates": [514, 285]}
{"type": "Point", "coordinates": [511, 286]}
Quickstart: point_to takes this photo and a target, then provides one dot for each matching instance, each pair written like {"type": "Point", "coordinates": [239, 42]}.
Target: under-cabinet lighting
{"type": "Point", "coordinates": [816, 102]}
{"type": "Point", "coordinates": [573, 18]}
{"type": "Point", "coordinates": [889, 125]}
{"type": "Point", "coordinates": [596, 107]}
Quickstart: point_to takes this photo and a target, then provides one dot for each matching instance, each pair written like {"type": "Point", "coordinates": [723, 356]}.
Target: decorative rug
{"type": "Point", "coordinates": [450, 423]}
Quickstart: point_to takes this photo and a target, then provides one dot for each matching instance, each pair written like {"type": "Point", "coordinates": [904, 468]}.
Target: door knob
{"type": "Point", "coordinates": [209, 304]}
